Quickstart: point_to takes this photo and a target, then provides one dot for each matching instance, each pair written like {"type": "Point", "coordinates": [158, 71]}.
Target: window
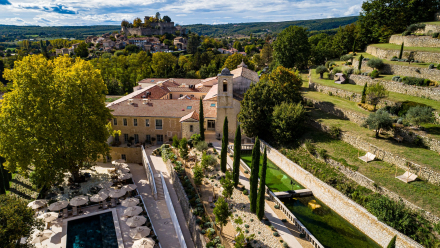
{"type": "Point", "coordinates": [135, 122]}
{"type": "Point", "coordinates": [125, 122]}
{"type": "Point", "coordinates": [147, 122]}
{"type": "Point", "coordinates": [189, 107]}
{"type": "Point", "coordinates": [159, 124]}
{"type": "Point", "coordinates": [148, 138]}
{"type": "Point", "coordinates": [117, 137]}
{"type": "Point", "coordinates": [136, 138]}
{"type": "Point", "coordinates": [192, 95]}
{"type": "Point", "coordinates": [212, 104]}
{"type": "Point", "coordinates": [123, 157]}
{"type": "Point", "coordinates": [191, 129]}
{"type": "Point", "coordinates": [115, 121]}
{"type": "Point", "coordinates": [171, 96]}
{"type": "Point", "coordinates": [125, 137]}
{"type": "Point", "coordinates": [225, 86]}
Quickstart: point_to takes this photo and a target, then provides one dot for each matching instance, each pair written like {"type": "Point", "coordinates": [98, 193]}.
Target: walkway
{"type": "Point", "coordinates": [157, 209]}
{"type": "Point", "coordinates": [268, 211]}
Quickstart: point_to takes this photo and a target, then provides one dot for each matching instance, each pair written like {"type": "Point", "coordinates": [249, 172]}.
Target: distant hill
{"type": "Point", "coordinates": [265, 27]}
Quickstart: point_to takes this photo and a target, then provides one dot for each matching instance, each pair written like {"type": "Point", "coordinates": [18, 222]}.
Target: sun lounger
{"type": "Point", "coordinates": [368, 157]}
{"type": "Point", "coordinates": [65, 213]}
{"type": "Point", "coordinates": [74, 211]}
{"type": "Point", "coordinates": [407, 177]}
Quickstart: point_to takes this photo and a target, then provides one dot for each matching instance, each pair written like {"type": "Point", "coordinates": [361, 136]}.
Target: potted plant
{"type": "Point", "coordinates": [152, 140]}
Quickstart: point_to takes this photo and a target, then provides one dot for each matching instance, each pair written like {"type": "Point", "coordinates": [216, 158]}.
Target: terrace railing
{"type": "Point", "coordinates": [149, 173]}
{"type": "Point", "coordinates": [172, 213]}
{"type": "Point", "coordinates": [151, 221]}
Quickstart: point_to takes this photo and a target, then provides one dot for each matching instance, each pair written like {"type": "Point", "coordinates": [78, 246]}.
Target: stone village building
{"type": "Point", "coordinates": [158, 109]}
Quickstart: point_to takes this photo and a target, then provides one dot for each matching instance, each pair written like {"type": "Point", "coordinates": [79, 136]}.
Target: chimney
{"type": "Point", "coordinates": [130, 101]}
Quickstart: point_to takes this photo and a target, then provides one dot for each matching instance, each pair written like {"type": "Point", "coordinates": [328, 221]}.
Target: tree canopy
{"type": "Point", "coordinates": [292, 48]}
{"type": "Point", "coordinates": [379, 120]}
{"type": "Point", "coordinates": [287, 121]}
{"type": "Point", "coordinates": [235, 59]}
{"type": "Point", "coordinates": [54, 117]}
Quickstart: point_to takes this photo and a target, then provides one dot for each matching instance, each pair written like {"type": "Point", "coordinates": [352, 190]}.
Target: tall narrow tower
{"type": "Point", "coordinates": [225, 103]}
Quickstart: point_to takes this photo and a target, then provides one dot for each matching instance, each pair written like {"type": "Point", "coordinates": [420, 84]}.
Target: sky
{"type": "Point", "coordinates": [183, 12]}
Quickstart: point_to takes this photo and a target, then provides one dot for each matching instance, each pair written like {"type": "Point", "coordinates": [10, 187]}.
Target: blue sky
{"type": "Point", "coordinates": [99, 12]}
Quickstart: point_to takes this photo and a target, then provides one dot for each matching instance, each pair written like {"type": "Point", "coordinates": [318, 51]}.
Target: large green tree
{"type": "Point", "coordinates": [224, 151]}
{"type": "Point", "coordinates": [262, 188]}
{"type": "Point", "coordinates": [234, 60]}
{"type": "Point", "coordinates": [292, 48]}
{"type": "Point", "coordinates": [193, 43]}
{"type": "Point", "coordinates": [287, 121]}
{"type": "Point", "coordinates": [221, 212]}
{"type": "Point", "coordinates": [237, 156]}
{"type": "Point", "coordinates": [201, 122]}
{"type": "Point", "coordinates": [54, 118]}
{"type": "Point", "coordinates": [255, 167]}
{"type": "Point", "coordinates": [81, 50]}
{"type": "Point", "coordinates": [163, 64]}
{"type": "Point", "coordinates": [380, 120]}
{"type": "Point", "coordinates": [16, 221]}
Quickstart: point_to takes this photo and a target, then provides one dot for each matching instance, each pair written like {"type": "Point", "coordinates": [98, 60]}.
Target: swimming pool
{"type": "Point", "coordinates": [96, 231]}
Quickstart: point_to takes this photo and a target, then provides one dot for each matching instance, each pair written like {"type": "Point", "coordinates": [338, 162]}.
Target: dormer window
{"type": "Point", "coordinates": [225, 86]}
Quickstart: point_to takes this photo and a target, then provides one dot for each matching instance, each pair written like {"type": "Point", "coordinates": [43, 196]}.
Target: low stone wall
{"type": "Point", "coordinates": [339, 112]}
{"type": "Point", "coordinates": [422, 172]}
{"type": "Point", "coordinates": [344, 206]}
{"type": "Point", "coordinates": [429, 27]}
{"type": "Point", "coordinates": [197, 237]}
{"type": "Point", "coordinates": [425, 92]}
{"type": "Point", "coordinates": [381, 53]}
{"type": "Point", "coordinates": [415, 40]}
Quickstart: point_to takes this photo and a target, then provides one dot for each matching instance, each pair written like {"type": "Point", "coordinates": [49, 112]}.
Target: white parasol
{"type": "Point", "coordinates": [132, 211]}
{"type": "Point", "coordinates": [117, 193]}
{"type": "Point", "coordinates": [139, 232]}
{"type": "Point", "coordinates": [57, 206]}
{"type": "Point", "coordinates": [124, 176]}
{"type": "Point", "coordinates": [144, 243]}
{"type": "Point", "coordinates": [136, 221]}
{"type": "Point", "coordinates": [105, 185]}
{"type": "Point", "coordinates": [123, 170]}
{"type": "Point", "coordinates": [129, 187]}
{"type": "Point", "coordinates": [49, 216]}
{"type": "Point", "coordinates": [79, 200]}
{"type": "Point", "coordinates": [130, 202]}
{"type": "Point", "coordinates": [41, 236]}
{"type": "Point", "coordinates": [105, 191]}
{"type": "Point", "coordinates": [98, 197]}
{"type": "Point", "coordinates": [37, 204]}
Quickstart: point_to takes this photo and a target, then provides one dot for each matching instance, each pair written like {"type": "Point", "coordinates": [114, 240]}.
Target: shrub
{"type": "Point", "coordinates": [418, 141]}
{"type": "Point", "coordinates": [375, 63]}
{"type": "Point", "coordinates": [201, 146]}
{"type": "Point", "coordinates": [348, 71]}
{"type": "Point", "coordinates": [238, 221]}
{"type": "Point", "coordinates": [395, 78]}
{"type": "Point", "coordinates": [406, 33]}
{"type": "Point", "coordinates": [246, 231]}
{"type": "Point", "coordinates": [379, 120]}
{"type": "Point", "coordinates": [348, 63]}
{"type": "Point", "coordinates": [195, 138]}
{"type": "Point", "coordinates": [431, 66]}
{"type": "Point", "coordinates": [365, 59]}
{"type": "Point", "coordinates": [246, 226]}
{"type": "Point", "coordinates": [275, 234]}
{"type": "Point", "coordinates": [374, 74]}
{"type": "Point", "coordinates": [435, 35]}
{"type": "Point", "coordinates": [322, 153]}
{"type": "Point", "coordinates": [329, 64]}
{"type": "Point", "coordinates": [416, 81]}
{"type": "Point", "coordinates": [208, 160]}
{"type": "Point", "coordinates": [394, 59]}
{"type": "Point", "coordinates": [413, 27]}
{"type": "Point", "coordinates": [210, 232]}
{"type": "Point", "coordinates": [334, 131]}
{"type": "Point", "coordinates": [285, 245]}
{"type": "Point", "coordinates": [272, 228]}
{"type": "Point", "coordinates": [287, 121]}
{"type": "Point", "coordinates": [336, 70]}
{"type": "Point", "coordinates": [245, 192]}
{"type": "Point", "coordinates": [419, 114]}
{"type": "Point", "coordinates": [309, 146]}
{"type": "Point", "coordinates": [357, 72]}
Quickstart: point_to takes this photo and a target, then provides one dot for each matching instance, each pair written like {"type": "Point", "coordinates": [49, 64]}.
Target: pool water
{"type": "Point", "coordinates": [326, 225]}
{"type": "Point", "coordinates": [96, 231]}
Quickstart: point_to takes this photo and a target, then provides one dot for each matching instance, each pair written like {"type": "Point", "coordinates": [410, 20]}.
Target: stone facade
{"type": "Point", "coordinates": [157, 28]}
{"type": "Point", "coordinates": [196, 235]}
{"type": "Point", "coordinates": [425, 92]}
{"type": "Point", "coordinates": [190, 128]}
{"type": "Point", "coordinates": [415, 40]}
{"type": "Point", "coordinates": [422, 172]}
{"type": "Point", "coordinates": [132, 154]}
{"type": "Point", "coordinates": [226, 106]}
{"type": "Point", "coordinates": [338, 202]}
{"type": "Point", "coordinates": [402, 70]}
{"type": "Point", "coordinates": [370, 184]}
{"type": "Point", "coordinates": [381, 53]}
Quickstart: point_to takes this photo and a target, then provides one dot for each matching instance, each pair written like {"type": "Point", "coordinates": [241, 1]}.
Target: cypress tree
{"type": "Point", "coordinates": [364, 93]}
{"type": "Point", "coordinates": [237, 155]}
{"type": "Point", "coordinates": [254, 175]}
{"type": "Point", "coordinates": [202, 122]}
{"type": "Point", "coordinates": [354, 46]}
{"type": "Point", "coordinates": [401, 51]}
{"type": "Point", "coordinates": [262, 189]}
{"type": "Point", "coordinates": [224, 146]}
{"type": "Point", "coordinates": [392, 243]}
{"type": "Point", "coordinates": [2, 179]}
{"type": "Point", "coordinates": [360, 62]}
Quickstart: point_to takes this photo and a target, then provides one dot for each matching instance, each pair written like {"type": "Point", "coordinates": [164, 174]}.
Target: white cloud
{"type": "Point", "coordinates": [353, 10]}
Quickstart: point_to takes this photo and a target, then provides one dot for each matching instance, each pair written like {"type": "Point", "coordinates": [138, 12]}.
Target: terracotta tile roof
{"type": "Point", "coordinates": [162, 108]}
{"type": "Point", "coordinates": [154, 92]}
{"type": "Point", "coordinates": [212, 93]}
{"type": "Point", "coordinates": [191, 116]}
{"type": "Point", "coordinates": [130, 96]}
{"type": "Point", "coordinates": [246, 73]}
{"type": "Point", "coordinates": [187, 89]}
{"type": "Point", "coordinates": [152, 80]}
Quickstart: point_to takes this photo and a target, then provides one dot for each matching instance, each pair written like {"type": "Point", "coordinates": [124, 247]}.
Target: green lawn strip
{"type": "Point", "coordinates": [388, 46]}
{"type": "Point", "coordinates": [422, 156]}
{"type": "Point", "coordinates": [432, 23]}
{"type": "Point", "coordinates": [111, 99]}
{"type": "Point", "coordinates": [420, 193]}
{"type": "Point", "coordinates": [337, 101]}
{"type": "Point", "coordinates": [358, 89]}
{"type": "Point", "coordinates": [420, 65]}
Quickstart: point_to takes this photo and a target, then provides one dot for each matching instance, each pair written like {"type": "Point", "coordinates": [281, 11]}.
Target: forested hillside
{"type": "Point", "coordinates": [272, 27]}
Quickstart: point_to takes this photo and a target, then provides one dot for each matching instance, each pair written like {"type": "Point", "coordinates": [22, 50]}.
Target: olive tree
{"type": "Point", "coordinates": [380, 120]}
{"type": "Point", "coordinates": [419, 114]}
{"type": "Point", "coordinates": [375, 63]}
{"type": "Point", "coordinates": [375, 93]}
{"type": "Point", "coordinates": [321, 70]}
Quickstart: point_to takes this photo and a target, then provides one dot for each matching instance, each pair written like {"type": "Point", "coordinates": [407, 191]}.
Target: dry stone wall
{"type": "Point", "coordinates": [194, 229]}
{"type": "Point", "coordinates": [415, 40]}
{"type": "Point", "coordinates": [429, 29]}
{"type": "Point", "coordinates": [388, 54]}
{"type": "Point", "coordinates": [422, 172]}
{"type": "Point", "coordinates": [344, 206]}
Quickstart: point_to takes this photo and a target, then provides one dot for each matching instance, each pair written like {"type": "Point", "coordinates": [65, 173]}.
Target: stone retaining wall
{"type": "Point", "coordinates": [415, 40]}
{"type": "Point", "coordinates": [344, 206]}
{"type": "Point", "coordinates": [381, 53]}
{"type": "Point", "coordinates": [402, 70]}
{"type": "Point", "coordinates": [197, 237]}
{"type": "Point", "coordinates": [429, 27]}
{"type": "Point", "coordinates": [422, 172]}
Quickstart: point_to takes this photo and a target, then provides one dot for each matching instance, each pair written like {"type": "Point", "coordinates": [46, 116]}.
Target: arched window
{"type": "Point", "coordinates": [225, 85]}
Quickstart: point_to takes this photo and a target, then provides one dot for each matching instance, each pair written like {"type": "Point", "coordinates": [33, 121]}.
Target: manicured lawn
{"type": "Point", "coordinates": [388, 46]}
{"type": "Point", "coordinates": [337, 101]}
{"type": "Point", "coordinates": [421, 193]}
{"type": "Point", "coordinates": [432, 23]}
{"type": "Point", "coordinates": [420, 65]}
{"type": "Point", "coordinates": [358, 89]}
{"type": "Point", "coordinates": [422, 156]}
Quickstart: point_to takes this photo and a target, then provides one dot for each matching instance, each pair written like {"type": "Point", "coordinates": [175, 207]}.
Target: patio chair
{"type": "Point", "coordinates": [407, 177]}
{"type": "Point", "coordinates": [74, 211]}
{"type": "Point", "coordinates": [113, 202]}
{"type": "Point", "coordinates": [65, 213]}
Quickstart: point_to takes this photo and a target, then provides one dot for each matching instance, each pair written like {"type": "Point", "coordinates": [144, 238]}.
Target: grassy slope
{"type": "Point", "coordinates": [421, 65]}
{"type": "Point", "coordinates": [388, 46]}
